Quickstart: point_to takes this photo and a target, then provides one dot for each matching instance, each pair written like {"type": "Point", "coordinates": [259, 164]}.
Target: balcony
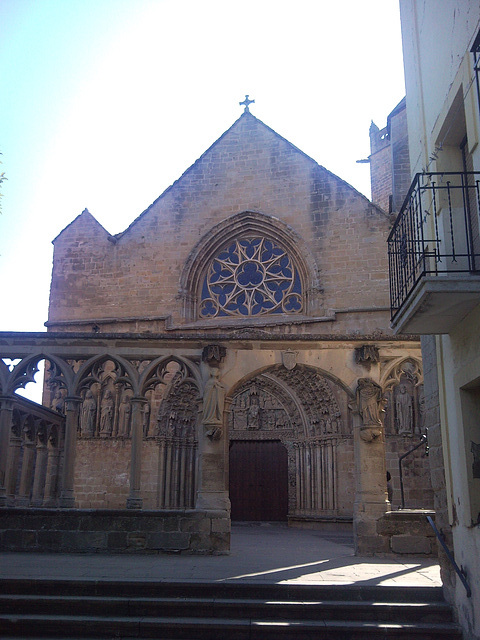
{"type": "Point", "coordinates": [434, 254]}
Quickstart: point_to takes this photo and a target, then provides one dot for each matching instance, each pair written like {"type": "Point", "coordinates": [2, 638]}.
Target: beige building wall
{"type": "Point", "coordinates": [136, 275]}
{"type": "Point", "coordinates": [442, 109]}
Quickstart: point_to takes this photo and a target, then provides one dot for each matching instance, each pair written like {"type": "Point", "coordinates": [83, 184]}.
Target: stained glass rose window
{"type": "Point", "coordinates": [251, 276]}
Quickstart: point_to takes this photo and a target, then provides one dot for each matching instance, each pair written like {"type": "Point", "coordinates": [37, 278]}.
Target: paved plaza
{"type": "Point", "coordinates": [260, 553]}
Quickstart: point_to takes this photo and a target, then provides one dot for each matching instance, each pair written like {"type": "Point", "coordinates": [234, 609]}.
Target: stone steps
{"type": "Point", "coordinates": [214, 611]}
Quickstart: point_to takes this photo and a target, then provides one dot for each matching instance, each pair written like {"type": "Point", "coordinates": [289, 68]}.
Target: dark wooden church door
{"type": "Point", "coordinates": [258, 480]}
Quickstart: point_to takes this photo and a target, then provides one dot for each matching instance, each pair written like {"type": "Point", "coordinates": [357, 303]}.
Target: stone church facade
{"type": "Point", "coordinates": [225, 351]}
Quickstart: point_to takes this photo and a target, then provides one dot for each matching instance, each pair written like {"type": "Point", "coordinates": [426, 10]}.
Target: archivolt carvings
{"type": "Point", "coordinates": [317, 399]}
{"type": "Point", "coordinates": [259, 407]}
{"type": "Point", "coordinates": [178, 411]}
{"type": "Point", "coordinates": [296, 404]}
{"type": "Point", "coordinates": [299, 407]}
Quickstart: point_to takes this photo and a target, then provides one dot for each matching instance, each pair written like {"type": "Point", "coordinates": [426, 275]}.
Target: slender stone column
{"type": "Point", "coordinates": [371, 499]}
{"type": "Point", "coordinates": [40, 471]}
{"type": "Point", "coordinates": [49, 497]}
{"type": "Point", "coordinates": [161, 474]}
{"type": "Point", "coordinates": [12, 467]}
{"type": "Point", "coordinates": [67, 496]}
{"type": "Point", "coordinates": [168, 474]}
{"type": "Point", "coordinates": [6, 421]}
{"type": "Point", "coordinates": [23, 499]}
{"type": "Point", "coordinates": [134, 500]}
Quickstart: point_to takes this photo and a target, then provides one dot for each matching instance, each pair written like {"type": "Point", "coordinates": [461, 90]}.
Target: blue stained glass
{"type": "Point", "coordinates": [244, 276]}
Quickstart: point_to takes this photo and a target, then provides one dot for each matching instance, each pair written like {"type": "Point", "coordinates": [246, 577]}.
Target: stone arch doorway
{"type": "Point", "coordinates": [304, 412]}
{"type": "Point", "coordinates": [258, 480]}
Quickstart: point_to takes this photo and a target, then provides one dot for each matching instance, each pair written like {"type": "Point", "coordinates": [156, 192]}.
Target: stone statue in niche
{"type": "Point", "coordinates": [371, 406]}
{"type": "Point", "coordinates": [213, 405]}
{"type": "Point", "coordinates": [106, 414]}
{"type": "Point", "coordinates": [89, 410]}
{"type": "Point", "coordinates": [57, 401]}
{"type": "Point", "coordinates": [124, 413]}
{"type": "Point", "coordinates": [146, 418]}
{"type": "Point", "coordinates": [404, 411]}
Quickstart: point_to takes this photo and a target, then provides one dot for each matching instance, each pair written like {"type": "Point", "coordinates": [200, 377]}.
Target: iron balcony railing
{"type": "Point", "coordinates": [436, 232]}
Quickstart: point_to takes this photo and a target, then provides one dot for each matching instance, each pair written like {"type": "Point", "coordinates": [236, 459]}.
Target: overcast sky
{"type": "Point", "coordinates": [106, 102]}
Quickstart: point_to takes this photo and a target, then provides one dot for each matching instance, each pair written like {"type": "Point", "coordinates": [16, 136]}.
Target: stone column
{"type": "Point", "coordinates": [28, 461]}
{"type": "Point", "coordinates": [12, 467]}
{"type": "Point", "coordinates": [67, 496]}
{"type": "Point", "coordinates": [134, 500]}
{"type": "Point", "coordinates": [161, 473]}
{"type": "Point", "coordinates": [371, 499]}
{"type": "Point", "coordinates": [49, 496]}
{"type": "Point", "coordinates": [6, 421]}
{"type": "Point", "coordinates": [40, 468]}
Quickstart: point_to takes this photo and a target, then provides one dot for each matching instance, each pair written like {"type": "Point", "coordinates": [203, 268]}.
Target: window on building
{"type": "Point", "coordinates": [251, 276]}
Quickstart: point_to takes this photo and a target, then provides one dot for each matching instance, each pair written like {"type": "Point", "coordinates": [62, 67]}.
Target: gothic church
{"type": "Point", "coordinates": [215, 347]}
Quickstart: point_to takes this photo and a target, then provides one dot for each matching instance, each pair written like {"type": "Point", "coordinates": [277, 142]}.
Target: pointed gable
{"type": "Point", "coordinates": [84, 224]}
{"type": "Point", "coordinates": [251, 182]}
{"type": "Point", "coordinates": [251, 155]}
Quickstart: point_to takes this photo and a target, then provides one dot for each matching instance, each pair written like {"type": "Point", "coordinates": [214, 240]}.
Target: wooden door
{"type": "Point", "coordinates": [258, 480]}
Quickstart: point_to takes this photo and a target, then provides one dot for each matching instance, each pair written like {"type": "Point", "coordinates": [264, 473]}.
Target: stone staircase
{"type": "Point", "coordinates": [90, 609]}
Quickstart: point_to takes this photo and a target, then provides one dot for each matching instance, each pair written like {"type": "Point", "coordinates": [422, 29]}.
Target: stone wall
{"type": "Point", "coordinates": [114, 531]}
{"type": "Point", "coordinates": [389, 160]}
{"type": "Point", "coordinates": [102, 473]}
{"type": "Point", "coordinates": [135, 276]}
{"type": "Point", "coordinates": [408, 532]}
{"type": "Point", "coordinates": [417, 486]}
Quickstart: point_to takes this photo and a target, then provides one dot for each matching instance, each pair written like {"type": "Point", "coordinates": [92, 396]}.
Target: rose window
{"type": "Point", "coordinates": [251, 277]}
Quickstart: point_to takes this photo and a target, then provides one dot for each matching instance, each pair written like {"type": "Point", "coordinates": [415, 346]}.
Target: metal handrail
{"type": "Point", "coordinates": [423, 439]}
{"type": "Point", "coordinates": [434, 233]}
{"type": "Point", "coordinates": [461, 573]}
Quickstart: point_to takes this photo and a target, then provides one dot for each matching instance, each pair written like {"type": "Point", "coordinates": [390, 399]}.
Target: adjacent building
{"type": "Point", "coordinates": [434, 254]}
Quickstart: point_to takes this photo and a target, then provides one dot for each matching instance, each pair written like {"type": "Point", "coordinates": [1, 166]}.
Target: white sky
{"type": "Point", "coordinates": [104, 103]}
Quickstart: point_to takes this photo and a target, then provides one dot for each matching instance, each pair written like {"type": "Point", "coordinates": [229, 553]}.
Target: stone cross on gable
{"type": "Point", "coordinates": [246, 102]}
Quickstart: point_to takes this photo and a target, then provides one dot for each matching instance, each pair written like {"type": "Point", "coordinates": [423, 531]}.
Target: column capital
{"type": "Point", "coordinates": [7, 402]}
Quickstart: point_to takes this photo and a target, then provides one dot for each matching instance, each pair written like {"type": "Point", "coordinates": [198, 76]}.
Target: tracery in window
{"type": "Point", "coordinates": [251, 276]}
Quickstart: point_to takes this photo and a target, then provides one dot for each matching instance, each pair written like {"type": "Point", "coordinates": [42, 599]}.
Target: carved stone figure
{"type": "Point", "coordinates": [370, 406]}
{"type": "Point", "coordinates": [106, 414]}
{"type": "Point", "coordinates": [57, 402]}
{"type": "Point", "coordinates": [89, 410]}
{"type": "Point", "coordinates": [367, 355]}
{"type": "Point", "coordinates": [124, 413]}
{"type": "Point", "coordinates": [146, 418]}
{"type": "Point", "coordinates": [404, 412]}
{"type": "Point", "coordinates": [213, 404]}
{"type": "Point", "coordinates": [253, 416]}
{"type": "Point", "coordinates": [213, 354]}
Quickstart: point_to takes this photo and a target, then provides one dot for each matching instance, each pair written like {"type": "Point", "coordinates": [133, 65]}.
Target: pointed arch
{"type": "Point", "coordinates": [126, 372]}
{"type": "Point", "coordinates": [308, 395]}
{"type": "Point", "coordinates": [403, 366]}
{"type": "Point", "coordinates": [152, 374]}
{"type": "Point", "coordinates": [24, 372]}
{"type": "Point", "coordinates": [241, 225]}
